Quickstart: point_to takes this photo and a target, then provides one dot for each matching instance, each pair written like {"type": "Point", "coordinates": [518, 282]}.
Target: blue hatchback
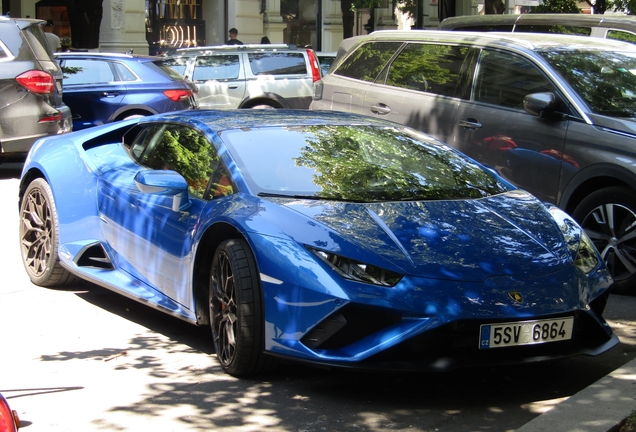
{"type": "Point", "coordinates": [105, 87]}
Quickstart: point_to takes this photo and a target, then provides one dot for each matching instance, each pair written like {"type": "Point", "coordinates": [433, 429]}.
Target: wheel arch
{"type": "Point", "coordinates": [593, 178]}
{"type": "Point", "coordinates": [26, 179]}
{"type": "Point", "coordinates": [129, 110]}
{"type": "Point", "coordinates": [210, 241]}
{"type": "Point", "coordinates": [271, 99]}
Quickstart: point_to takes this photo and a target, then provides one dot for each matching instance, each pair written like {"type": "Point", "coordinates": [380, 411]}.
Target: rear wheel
{"type": "Point", "coordinates": [39, 237]}
{"type": "Point", "coordinates": [236, 310]}
{"type": "Point", "coordinates": [609, 218]}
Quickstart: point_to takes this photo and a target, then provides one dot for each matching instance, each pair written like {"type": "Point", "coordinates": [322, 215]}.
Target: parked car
{"type": "Point", "coordinates": [250, 76]}
{"type": "Point", "coordinates": [325, 59]}
{"type": "Point", "coordinates": [9, 420]}
{"type": "Point", "coordinates": [554, 114]}
{"type": "Point", "coordinates": [105, 87]}
{"type": "Point", "coordinates": [316, 236]}
{"type": "Point", "coordinates": [30, 88]}
{"type": "Point", "coordinates": [603, 26]}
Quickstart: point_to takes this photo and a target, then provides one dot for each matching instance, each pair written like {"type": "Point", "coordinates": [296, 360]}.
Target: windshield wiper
{"type": "Point", "coordinates": [300, 196]}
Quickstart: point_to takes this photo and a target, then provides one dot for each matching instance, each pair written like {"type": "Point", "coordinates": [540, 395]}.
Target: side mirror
{"type": "Point", "coordinates": [540, 104]}
{"type": "Point", "coordinates": [165, 182]}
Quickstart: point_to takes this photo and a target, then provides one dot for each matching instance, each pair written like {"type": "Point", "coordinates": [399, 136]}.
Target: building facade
{"type": "Point", "coordinates": [157, 26]}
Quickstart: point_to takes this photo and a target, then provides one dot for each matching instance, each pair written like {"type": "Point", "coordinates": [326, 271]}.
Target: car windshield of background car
{"type": "Point", "coordinates": [606, 80]}
{"type": "Point", "coordinates": [360, 164]}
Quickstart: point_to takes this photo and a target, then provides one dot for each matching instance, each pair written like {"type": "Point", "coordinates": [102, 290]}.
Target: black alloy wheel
{"type": "Point", "coordinates": [236, 310]}
{"type": "Point", "coordinates": [609, 218]}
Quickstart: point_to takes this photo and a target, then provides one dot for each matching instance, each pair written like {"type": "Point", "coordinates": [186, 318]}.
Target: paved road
{"type": "Point", "coordinates": [85, 359]}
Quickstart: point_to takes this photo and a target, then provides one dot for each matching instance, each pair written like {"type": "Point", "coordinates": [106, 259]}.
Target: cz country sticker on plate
{"type": "Point", "coordinates": [525, 332]}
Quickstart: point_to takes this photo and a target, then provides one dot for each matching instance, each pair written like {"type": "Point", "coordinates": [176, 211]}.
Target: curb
{"type": "Point", "coordinates": [601, 407]}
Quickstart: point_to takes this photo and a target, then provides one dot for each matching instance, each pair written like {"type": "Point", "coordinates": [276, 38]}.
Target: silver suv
{"type": "Point", "coordinates": [250, 76]}
{"type": "Point", "coordinates": [603, 26]}
{"type": "Point", "coordinates": [553, 114]}
{"type": "Point", "coordinates": [30, 88]}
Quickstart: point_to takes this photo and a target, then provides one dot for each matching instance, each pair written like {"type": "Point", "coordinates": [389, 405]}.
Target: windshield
{"type": "Point", "coordinates": [605, 80]}
{"type": "Point", "coordinates": [355, 163]}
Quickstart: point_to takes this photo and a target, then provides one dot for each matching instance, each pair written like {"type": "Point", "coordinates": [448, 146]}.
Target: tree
{"type": "Point", "coordinates": [348, 8]}
{"type": "Point", "coordinates": [558, 6]}
{"type": "Point", "coordinates": [85, 17]}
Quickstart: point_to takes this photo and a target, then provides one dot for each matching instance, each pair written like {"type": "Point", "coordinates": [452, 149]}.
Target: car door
{"type": "Point", "coordinates": [494, 128]}
{"type": "Point", "coordinates": [153, 240]}
{"type": "Point", "coordinates": [344, 90]}
{"type": "Point", "coordinates": [220, 80]}
{"type": "Point", "coordinates": [421, 88]}
{"type": "Point", "coordinates": [91, 90]}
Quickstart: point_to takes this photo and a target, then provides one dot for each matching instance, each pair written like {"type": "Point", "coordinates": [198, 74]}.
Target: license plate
{"type": "Point", "coordinates": [525, 332]}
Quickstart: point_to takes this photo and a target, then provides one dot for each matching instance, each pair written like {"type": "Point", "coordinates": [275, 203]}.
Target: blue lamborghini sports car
{"type": "Point", "coordinates": [316, 236]}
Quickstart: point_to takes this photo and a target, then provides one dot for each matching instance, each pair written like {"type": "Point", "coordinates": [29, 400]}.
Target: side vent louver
{"type": "Point", "coordinates": [94, 256]}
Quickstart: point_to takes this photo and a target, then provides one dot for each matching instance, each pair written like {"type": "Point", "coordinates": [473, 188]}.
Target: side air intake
{"type": "Point", "coordinates": [94, 256]}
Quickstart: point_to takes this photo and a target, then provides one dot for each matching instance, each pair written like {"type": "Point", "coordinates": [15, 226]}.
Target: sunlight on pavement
{"type": "Point", "coordinates": [539, 407]}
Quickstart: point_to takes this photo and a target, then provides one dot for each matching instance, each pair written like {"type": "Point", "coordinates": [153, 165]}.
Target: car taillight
{"type": "Point", "coordinates": [36, 81]}
{"type": "Point", "coordinates": [9, 420]}
{"type": "Point", "coordinates": [177, 95]}
{"type": "Point", "coordinates": [315, 68]}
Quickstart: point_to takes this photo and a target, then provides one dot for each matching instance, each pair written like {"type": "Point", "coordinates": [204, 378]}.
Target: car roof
{"type": "Point", "coordinates": [219, 120]}
{"type": "Point", "coordinates": [523, 41]}
{"type": "Point", "coordinates": [575, 20]}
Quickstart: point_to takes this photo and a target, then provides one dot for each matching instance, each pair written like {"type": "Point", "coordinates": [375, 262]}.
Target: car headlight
{"type": "Point", "coordinates": [358, 271]}
{"type": "Point", "coordinates": [586, 259]}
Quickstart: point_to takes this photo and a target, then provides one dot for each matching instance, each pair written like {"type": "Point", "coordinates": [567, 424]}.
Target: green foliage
{"type": "Point", "coordinates": [557, 6]}
{"type": "Point", "coordinates": [187, 152]}
{"type": "Point", "coordinates": [372, 164]}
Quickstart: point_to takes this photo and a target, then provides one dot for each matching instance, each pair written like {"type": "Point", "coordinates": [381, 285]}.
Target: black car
{"type": "Point", "coordinates": [30, 88]}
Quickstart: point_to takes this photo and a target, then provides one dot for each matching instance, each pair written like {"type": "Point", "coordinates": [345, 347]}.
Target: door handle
{"type": "Point", "coordinates": [380, 109]}
{"type": "Point", "coordinates": [111, 94]}
{"type": "Point", "coordinates": [233, 86]}
{"type": "Point", "coordinates": [470, 124]}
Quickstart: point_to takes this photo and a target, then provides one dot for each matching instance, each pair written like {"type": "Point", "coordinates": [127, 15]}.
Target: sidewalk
{"type": "Point", "coordinates": [597, 408]}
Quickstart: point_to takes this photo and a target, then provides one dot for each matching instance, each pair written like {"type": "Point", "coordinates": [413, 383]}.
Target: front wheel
{"type": "Point", "coordinates": [609, 218]}
{"type": "Point", "coordinates": [39, 236]}
{"type": "Point", "coordinates": [236, 310]}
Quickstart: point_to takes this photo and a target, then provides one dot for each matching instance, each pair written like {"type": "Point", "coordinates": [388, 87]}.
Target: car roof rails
{"type": "Point", "coordinates": [245, 47]}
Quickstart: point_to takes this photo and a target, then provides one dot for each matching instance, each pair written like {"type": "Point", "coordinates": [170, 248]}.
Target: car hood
{"type": "Point", "coordinates": [467, 240]}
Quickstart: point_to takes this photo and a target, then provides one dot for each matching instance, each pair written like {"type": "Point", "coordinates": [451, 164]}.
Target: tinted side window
{"type": "Point", "coordinates": [585, 31]}
{"type": "Point", "coordinates": [429, 68]}
{"type": "Point", "coordinates": [622, 35]}
{"type": "Point", "coordinates": [87, 71]}
{"type": "Point", "coordinates": [277, 63]}
{"type": "Point", "coordinates": [505, 79]}
{"type": "Point", "coordinates": [219, 67]}
{"type": "Point", "coordinates": [179, 148]}
{"type": "Point", "coordinates": [368, 60]}
{"type": "Point", "coordinates": [124, 73]}
{"type": "Point", "coordinates": [177, 64]}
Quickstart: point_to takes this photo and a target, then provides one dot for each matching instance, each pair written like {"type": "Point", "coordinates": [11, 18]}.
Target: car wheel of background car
{"type": "Point", "coordinates": [235, 310]}
{"type": "Point", "coordinates": [131, 116]}
{"type": "Point", "coordinates": [609, 218]}
{"type": "Point", "coordinates": [263, 106]}
{"type": "Point", "coordinates": [39, 236]}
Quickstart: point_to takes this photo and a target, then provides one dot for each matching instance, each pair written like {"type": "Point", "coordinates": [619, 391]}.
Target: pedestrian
{"type": "Point", "coordinates": [265, 40]}
{"type": "Point", "coordinates": [233, 38]}
{"type": "Point", "coordinates": [52, 40]}
{"type": "Point", "coordinates": [66, 44]}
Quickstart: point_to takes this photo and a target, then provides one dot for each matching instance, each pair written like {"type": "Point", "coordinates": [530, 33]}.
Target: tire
{"type": "Point", "coordinates": [39, 237]}
{"type": "Point", "coordinates": [609, 218]}
{"type": "Point", "coordinates": [236, 315]}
